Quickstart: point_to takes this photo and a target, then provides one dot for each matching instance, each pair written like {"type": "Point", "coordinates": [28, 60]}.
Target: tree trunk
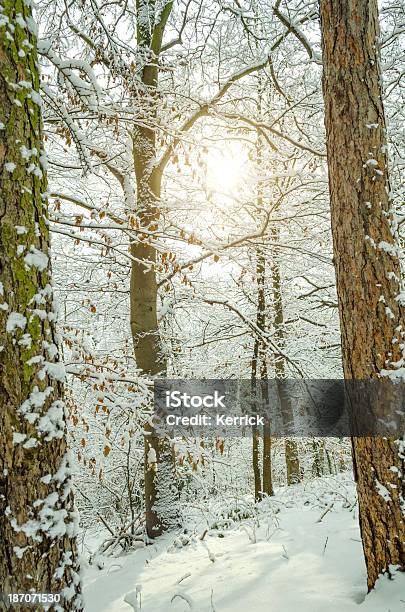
{"type": "Point", "coordinates": [255, 430]}
{"type": "Point", "coordinates": [366, 257]}
{"type": "Point", "coordinates": [267, 478]}
{"type": "Point", "coordinates": [318, 465]}
{"type": "Point", "coordinates": [267, 482]}
{"type": "Point", "coordinates": [159, 468]}
{"type": "Point", "coordinates": [260, 348]}
{"type": "Point", "coordinates": [290, 445]}
{"type": "Point", "coordinates": [256, 464]}
{"type": "Point", "coordinates": [37, 517]}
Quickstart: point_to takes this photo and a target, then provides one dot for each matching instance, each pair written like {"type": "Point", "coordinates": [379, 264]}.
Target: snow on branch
{"type": "Point", "coordinates": [88, 90]}
{"type": "Point", "coordinates": [298, 33]}
{"type": "Point", "coordinates": [78, 137]}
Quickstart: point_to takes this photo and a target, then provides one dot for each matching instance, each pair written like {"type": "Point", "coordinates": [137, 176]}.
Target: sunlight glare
{"type": "Point", "coordinates": [224, 171]}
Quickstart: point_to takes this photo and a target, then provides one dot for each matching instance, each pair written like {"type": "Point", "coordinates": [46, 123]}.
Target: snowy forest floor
{"type": "Point", "coordinates": [299, 550]}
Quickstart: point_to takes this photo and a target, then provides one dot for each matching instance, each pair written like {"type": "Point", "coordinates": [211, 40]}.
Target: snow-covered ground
{"type": "Point", "coordinates": [301, 551]}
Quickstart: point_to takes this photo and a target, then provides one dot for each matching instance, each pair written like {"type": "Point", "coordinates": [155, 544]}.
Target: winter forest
{"type": "Point", "coordinates": [199, 190]}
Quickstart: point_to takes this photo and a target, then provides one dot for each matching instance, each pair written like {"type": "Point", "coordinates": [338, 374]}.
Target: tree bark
{"type": "Point", "coordinates": [37, 517]}
{"type": "Point", "coordinates": [366, 257]}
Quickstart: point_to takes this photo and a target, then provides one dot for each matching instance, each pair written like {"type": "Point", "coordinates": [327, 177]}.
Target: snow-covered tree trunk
{"type": "Point", "coordinates": [291, 447]}
{"type": "Point", "coordinates": [366, 257]}
{"type": "Point", "coordinates": [259, 361]}
{"type": "Point", "coordinates": [37, 516]}
{"type": "Point", "coordinates": [262, 483]}
{"type": "Point", "coordinates": [161, 494]}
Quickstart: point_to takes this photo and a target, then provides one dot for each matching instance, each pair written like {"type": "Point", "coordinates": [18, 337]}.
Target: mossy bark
{"type": "Point", "coordinates": [37, 517]}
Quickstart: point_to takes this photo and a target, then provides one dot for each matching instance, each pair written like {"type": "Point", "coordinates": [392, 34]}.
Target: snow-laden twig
{"type": "Point", "coordinates": [325, 512]}
{"type": "Point", "coordinates": [183, 577]}
{"type": "Point", "coordinates": [251, 535]}
{"type": "Point", "coordinates": [184, 596]}
{"type": "Point", "coordinates": [213, 609]}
